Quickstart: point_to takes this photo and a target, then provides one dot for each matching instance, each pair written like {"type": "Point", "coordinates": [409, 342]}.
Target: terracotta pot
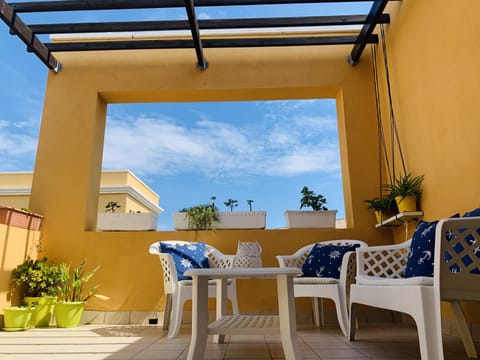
{"type": "Point", "coordinates": [19, 218]}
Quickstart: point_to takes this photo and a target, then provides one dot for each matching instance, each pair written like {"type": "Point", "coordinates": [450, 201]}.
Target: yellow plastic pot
{"type": "Point", "coordinates": [407, 203]}
{"type": "Point", "coordinates": [16, 318]}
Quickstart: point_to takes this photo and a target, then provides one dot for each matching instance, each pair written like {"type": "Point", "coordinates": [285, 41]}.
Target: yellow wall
{"type": "Point", "coordinates": [433, 52]}
{"type": "Point", "coordinates": [75, 106]}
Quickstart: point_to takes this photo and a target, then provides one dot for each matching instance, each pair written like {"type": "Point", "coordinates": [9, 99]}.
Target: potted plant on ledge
{"type": "Point", "coordinates": [406, 190]}
{"type": "Point", "coordinates": [319, 216]}
{"type": "Point", "coordinates": [384, 207]}
{"type": "Point", "coordinates": [111, 220]}
{"type": "Point", "coordinates": [69, 311]}
{"type": "Point", "coordinates": [241, 219]}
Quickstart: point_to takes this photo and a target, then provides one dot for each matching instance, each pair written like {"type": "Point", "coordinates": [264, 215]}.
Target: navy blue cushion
{"type": "Point", "coordinates": [422, 249]}
{"type": "Point", "coordinates": [472, 213]}
{"type": "Point", "coordinates": [193, 256]}
{"type": "Point", "coordinates": [420, 258]}
{"type": "Point", "coordinates": [325, 260]}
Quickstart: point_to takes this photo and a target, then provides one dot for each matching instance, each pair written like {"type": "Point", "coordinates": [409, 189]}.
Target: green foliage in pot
{"type": "Point", "coordinates": [37, 278]}
{"type": "Point", "coordinates": [310, 199]}
{"type": "Point", "coordinates": [74, 281]}
{"type": "Point", "coordinates": [202, 217]}
{"type": "Point", "coordinates": [406, 185]}
{"type": "Point", "coordinates": [385, 204]}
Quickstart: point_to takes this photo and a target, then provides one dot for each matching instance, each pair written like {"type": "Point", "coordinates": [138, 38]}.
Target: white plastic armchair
{"type": "Point", "coordinates": [380, 283]}
{"type": "Point", "coordinates": [328, 288]}
{"type": "Point", "coordinates": [178, 292]}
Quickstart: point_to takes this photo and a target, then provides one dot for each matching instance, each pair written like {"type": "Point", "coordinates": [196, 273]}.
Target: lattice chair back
{"type": "Point", "coordinates": [249, 254]}
{"type": "Point", "coordinates": [460, 254]}
{"type": "Point", "coordinates": [383, 261]}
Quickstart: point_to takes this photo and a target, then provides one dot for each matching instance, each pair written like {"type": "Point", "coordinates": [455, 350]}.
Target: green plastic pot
{"type": "Point", "coordinates": [69, 314]}
{"type": "Point", "coordinates": [16, 318]}
{"type": "Point", "coordinates": [43, 312]}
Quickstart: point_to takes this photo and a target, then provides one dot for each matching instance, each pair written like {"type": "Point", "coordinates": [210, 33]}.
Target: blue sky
{"type": "Point", "coordinates": [265, 151]}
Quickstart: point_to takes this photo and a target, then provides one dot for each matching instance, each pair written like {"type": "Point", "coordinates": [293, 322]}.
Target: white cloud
{"type": "Point", "coordinates": [163, 146]}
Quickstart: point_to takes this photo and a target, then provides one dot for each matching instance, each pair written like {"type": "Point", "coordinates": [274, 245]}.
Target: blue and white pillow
{"type": "Point", "coordinates": [472, 213]}
{"type": "Point", "coordinates": [325, 260]}
{"type": "Point", "coordinates": [192, 256]}
{"type": "Point", "coordinates": [422, 249]}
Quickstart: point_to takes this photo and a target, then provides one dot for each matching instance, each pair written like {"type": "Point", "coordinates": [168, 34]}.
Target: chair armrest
{"type": "Point", "coordinates": [383, 261]}
{"type": "Point", "coordinates": [289, 261]}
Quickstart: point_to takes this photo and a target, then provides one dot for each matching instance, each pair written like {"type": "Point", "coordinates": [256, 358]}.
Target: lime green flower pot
{"type": "Point", "coordinates": [69, 314]}
{"type": "Point", "coordinates": [43, 312]}
{"type": "Point", "coordinates": [16, 318]}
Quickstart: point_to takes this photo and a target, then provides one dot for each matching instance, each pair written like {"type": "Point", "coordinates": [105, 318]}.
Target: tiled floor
{"type": "Point", "coordinates": [144, 342]}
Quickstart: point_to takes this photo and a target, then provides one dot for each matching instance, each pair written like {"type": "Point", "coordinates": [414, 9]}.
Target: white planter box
{"type": "Point", "coordinates": [311, 219]}
{"type": "Point", "coordinates": [228, 220]}
{"type": "Point", "coordinates": [127, 221]}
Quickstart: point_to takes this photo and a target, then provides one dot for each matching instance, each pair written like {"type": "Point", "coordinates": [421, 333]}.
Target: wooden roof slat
{"type": "Point", "coordinates": [375, 12]}
{"type": "Point", "coordinates": [207, 43]}
{"type": "Point", "coordinates": [337, 20]}
{"type": "Point", "coordinates": [76, 5]}
{"type": "Point", "coordinates": [18, 27]}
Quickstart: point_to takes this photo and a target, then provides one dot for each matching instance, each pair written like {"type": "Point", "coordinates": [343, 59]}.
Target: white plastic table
{"type": "Point", "coordinates": [283, 324]}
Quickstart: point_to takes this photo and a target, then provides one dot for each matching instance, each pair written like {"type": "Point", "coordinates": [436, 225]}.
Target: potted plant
{"type": "Point", "coordinates": [241, 219]}
{"type": "Point", "coordinates": [38, 282]}
{"type": "Point", "coordinates": [111, 220]}
{"type": "Point", "coordinates": [22, 218]}
{"type": "Point", "coordinates": [384, 207]}
{"type": "Point", "coordinates": [406, 190]}
{"type": "Point", "coordinates": [319, 216]}
{"type": "Point", "coordinates": [198, 217]}
{"type": "Point", "coordinates": [69, 310]}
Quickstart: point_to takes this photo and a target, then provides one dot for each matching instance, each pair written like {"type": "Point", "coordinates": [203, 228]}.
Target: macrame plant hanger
{"type": "Point", "coordinates": [394, 137]}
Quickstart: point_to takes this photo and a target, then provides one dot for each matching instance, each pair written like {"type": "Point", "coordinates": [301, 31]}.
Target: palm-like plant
{"type": "Point", "coordinates": [73, 283]}
{"type": "Point", "coordinates": [406, 185]}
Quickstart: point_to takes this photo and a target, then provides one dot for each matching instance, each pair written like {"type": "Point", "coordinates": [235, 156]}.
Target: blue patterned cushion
{"type": "Point", "coordinates": [472, 213]}
{"type": "Point", "coordinates": [420, 258]}
{"type": "Point", "coordinates": [422, 249]}
{"type": "Point", "coordinates": [325, 260]}
{"type": "Point", "coordinates": [186, 257]}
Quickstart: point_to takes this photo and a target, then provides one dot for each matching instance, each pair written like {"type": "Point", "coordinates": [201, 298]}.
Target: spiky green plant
{"type": "Point", "coordinates": [74, 282]}
{"type": "Point", "coordinates": [406, 185]}
{"type": "Point", "coordinates": [310, 199]}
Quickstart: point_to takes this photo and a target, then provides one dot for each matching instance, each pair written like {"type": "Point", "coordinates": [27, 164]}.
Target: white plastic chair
{"type": "Point", "coordinates": [328, 288]}
{"type": "Point", "coordinates": [380, 283]}
{"type": "Point", "coordinates": [178, 292]}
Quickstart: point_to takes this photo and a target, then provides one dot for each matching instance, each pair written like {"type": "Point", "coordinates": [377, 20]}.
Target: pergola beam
{"type": "Point", "coordinates": [207, 43]}
{"type": "Point", "coordinates": [337, 20]}
{"type": "Point", "coordinates": [18, 27]}
{"type": "Point", "coordinates": [202, 63]}
{"type": "Point", "coordinates": [75, 5]}
{"type": "Point", "coordinates": [375, 12]}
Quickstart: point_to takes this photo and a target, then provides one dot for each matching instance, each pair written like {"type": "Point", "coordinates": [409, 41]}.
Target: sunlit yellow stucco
{"type": "Point", "coordinates": [432, 47]}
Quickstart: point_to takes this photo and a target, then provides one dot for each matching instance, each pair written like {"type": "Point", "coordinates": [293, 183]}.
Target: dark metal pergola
{"type": "Point", "coordinates": [9, 13]}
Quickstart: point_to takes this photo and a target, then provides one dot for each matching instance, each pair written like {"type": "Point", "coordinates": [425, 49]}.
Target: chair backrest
{"type": "Point", "coordinates": [383, 261]}
{"type": "Point", "coordinates": [457, 243]}
{"type": "Point", "coordinates": [298, 258]}
{"type": "Point", "coordinates": [216, 259]}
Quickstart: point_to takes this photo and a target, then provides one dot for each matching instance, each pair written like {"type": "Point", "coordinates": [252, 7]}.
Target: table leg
{"type": "Point", "coordinates": [286, 310]}
{"type": "Point", "coordinates": [198, 342]}
{"type": "Point", "coordinates": [221, 306]}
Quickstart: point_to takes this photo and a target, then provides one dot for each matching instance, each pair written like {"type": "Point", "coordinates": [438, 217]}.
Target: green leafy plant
{"type": "Point", "coordinates": [202, 217]}
{"type": "Point", "coordinates": [385, 204]}
{"type": "Point", "coordinates": [231, 203]}
{"type": "Point", "coordinates": [37, 278]}
{"type": "Point", "coordinates": [73, 283]}
{"type": "Point", "coordinates": [310, 199]}
{"type": "Point", "coordinates": [112, 206]}
{"type": "Point", "coordinates": [406, 185]}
